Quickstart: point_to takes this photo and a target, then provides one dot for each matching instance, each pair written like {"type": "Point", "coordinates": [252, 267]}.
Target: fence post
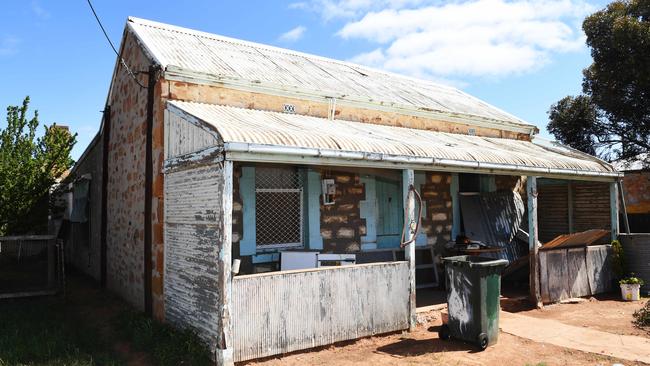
{"type": "Point", "coordinates": [408, 178]}
{"type": "Point", "coordinates": [531, 190]}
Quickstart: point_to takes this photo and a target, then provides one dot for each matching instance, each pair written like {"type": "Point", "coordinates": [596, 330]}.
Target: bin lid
{"type": "Point", "coordinates": [476, 261]}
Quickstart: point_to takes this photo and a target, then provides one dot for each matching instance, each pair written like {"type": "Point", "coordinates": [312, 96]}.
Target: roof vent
{"type": "Point", "coordinates": [289, 108]}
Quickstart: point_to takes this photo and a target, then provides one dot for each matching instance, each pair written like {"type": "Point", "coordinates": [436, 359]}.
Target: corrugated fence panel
{"type": "Point", "coordinates": [282, 312]}
{"type": "Point", "coordinates": [192, 234]}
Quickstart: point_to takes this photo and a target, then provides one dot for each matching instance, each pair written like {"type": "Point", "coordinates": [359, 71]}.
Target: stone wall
{"type": "Point", "coordinates": [126, 175]}
{"type": "Point", "coordinates": [220, 95]}
{"type": "Point", "coordinates": [84, 252]}
{"type": "Point", "coordinates": [437, 223]}
{"type": "Point", "coordinates": [341, 225]}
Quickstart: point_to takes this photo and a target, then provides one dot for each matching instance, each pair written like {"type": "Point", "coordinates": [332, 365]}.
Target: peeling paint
{"type": "Point", "coordinates": [281, 312]}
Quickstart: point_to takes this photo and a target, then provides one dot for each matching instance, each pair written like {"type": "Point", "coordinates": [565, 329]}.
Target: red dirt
{"type": "Point", "coordinates": [604, 312]}
{"type": "Point", "coordinates": [423, 347]}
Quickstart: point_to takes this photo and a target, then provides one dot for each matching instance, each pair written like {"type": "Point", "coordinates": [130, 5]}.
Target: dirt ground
{"type": "Point", "coordinates": [604, 312]}
{"type": "Point", "coordinates": [423, 347]}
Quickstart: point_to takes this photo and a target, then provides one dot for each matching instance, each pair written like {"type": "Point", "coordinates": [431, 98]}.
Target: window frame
{"type": "Point", "coordinates": [265, 248]}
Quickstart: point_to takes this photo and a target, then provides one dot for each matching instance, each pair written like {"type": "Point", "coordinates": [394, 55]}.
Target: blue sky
{"type": "Point", "coordinates": [518, 55]}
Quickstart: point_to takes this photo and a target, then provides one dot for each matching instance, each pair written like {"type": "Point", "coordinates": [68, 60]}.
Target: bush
{"type": "Point", "coordinates": [642, 316]}
{"type": "Point", "coordinates": [618, 261]}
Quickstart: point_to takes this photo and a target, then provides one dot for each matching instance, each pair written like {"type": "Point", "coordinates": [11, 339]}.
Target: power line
{"type": "Point", "coordinates": [126, 67]}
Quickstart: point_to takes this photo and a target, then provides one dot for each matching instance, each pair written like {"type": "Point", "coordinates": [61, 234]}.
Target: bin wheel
{"type": "Point", "coordinates": [444, 333]}
{"type": "Point", "coordinates": [482, 341]}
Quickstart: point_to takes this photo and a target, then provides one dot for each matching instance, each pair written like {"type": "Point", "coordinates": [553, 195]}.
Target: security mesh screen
{"type": "Point", "coordinates": [278, 207]}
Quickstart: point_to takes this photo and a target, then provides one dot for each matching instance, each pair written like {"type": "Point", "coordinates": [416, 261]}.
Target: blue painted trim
{"type": "Point", "coordinates": [388, 241]}
{"type": "Point", "coordinates": [247, 245]}
{"type": "Point", "coordinates": [314, 239]}
{"type": "Point", "coordinates": [419, 180]}
{"type": "Point", "coordinates": [368, 210]}
{"type": "Point", "coordinates": [455, 206]}
{"type": "Point", "coordinates": [488, 183]}
{"type": "Point", "coordinates": [266, 258]}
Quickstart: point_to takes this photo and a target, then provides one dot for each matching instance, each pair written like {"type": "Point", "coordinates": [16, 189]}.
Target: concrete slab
{"type": "Point", "coordinates": [631, 348]}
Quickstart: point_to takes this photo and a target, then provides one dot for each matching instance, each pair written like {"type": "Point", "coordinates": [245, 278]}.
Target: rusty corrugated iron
{"type": "Point", "coordinates": [581, 239]}
{"type": "Point", "coordinates": [238, 125]}
{"type": "Point", "coordinates": [230, 59]}
{"type": "Point", "coordinates": [493, 218]}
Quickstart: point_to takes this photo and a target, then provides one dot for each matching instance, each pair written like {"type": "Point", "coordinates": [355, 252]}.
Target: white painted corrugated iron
{"type": "Point", "coordinates": [263, 132]}
{"type": "Point", "coordinates": [203, 56]}
{"type": "Point", "coordinates": [296, 310]}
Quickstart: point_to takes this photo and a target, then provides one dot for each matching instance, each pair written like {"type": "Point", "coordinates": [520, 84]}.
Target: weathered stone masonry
{"type": "Point", "coordinates": [126, 166]}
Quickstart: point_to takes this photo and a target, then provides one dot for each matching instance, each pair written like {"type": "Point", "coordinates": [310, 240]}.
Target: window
{"type": "Point", "coordinates": [278, 207]}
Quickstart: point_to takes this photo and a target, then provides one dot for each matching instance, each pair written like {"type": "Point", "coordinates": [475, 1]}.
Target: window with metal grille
{"type": "Point", "coordinates": [278, 207]}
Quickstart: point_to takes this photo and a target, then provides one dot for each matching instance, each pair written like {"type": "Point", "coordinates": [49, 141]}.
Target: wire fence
{"type": "Point", "coordinates": [31, 265]}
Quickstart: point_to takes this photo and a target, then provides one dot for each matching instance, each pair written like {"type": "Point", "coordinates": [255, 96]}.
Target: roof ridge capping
{"type": "Point", "coordinates": [490, 115]}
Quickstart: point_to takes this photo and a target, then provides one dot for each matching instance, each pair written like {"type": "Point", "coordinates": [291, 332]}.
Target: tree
{"type": "Point", "coordinates": [573, 121]}
{"type": "Point", "coordinates": [29, 166]}
{"type": "Point", "coordinates": [617, 84]}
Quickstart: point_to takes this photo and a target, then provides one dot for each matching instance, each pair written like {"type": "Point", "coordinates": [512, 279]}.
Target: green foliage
{"type": "Point", "coordinates": [642, 316]}
{"type": "Point", "coordinates": [167, 345]}
{"type": "Point", "coordinates": [573, 121]}
{"type": "Point", "coordinates": [618, 259]}
{"type": "Point", "coordinates": [617, 84]}
{"type": "Point", "coordinates": [632, 280]}
{"type": "Point", "coordinates": [29, 165]}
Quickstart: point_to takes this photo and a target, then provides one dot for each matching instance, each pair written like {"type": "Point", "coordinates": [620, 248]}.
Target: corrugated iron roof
{"type": "Point", "coordinates": [231, 59]}
{"type": "Point", "coordinates": [581, 239]}
{"type": "Point", "coordinates": [247, 126]}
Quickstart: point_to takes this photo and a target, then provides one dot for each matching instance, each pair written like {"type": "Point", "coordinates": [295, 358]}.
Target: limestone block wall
{"type": "Point", "coordinates": [437, 222]}
{"type": "Point", "coordinates": [214, 94]}
{"type": "Point", "coordinates": [126, 175]}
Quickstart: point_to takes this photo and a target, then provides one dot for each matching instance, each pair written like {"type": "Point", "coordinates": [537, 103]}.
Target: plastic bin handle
{"type": "Point", "coordinates": [494, 263]}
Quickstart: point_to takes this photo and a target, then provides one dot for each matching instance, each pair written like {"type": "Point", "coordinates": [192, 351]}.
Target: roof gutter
{"type": "Point", "coordinates": [175, 73]}
{"type": "Point", "coordinates": [312, 156]}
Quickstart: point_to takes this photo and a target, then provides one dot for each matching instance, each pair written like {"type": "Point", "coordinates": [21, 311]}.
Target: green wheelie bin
{"type": "Point", "coordinates": [473, 290]}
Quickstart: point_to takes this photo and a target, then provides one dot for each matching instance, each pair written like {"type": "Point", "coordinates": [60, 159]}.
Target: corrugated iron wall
{"type": "Point", "coordinates": [553, 211]}
{"type": "Point", "coordinates": [192, 237]}
{"type": "Point", "coordinates": [281, 312]}
{"type": "Point", "coordinates": [591, 206]}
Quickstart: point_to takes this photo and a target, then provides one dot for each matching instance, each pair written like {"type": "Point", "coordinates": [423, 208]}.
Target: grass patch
{"type": "Point", "coordinates": [90, 327]}
{"type": "Point", "coordinates": [44, 332]}
{"type": "Point", "coordinates": [166, 345]}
